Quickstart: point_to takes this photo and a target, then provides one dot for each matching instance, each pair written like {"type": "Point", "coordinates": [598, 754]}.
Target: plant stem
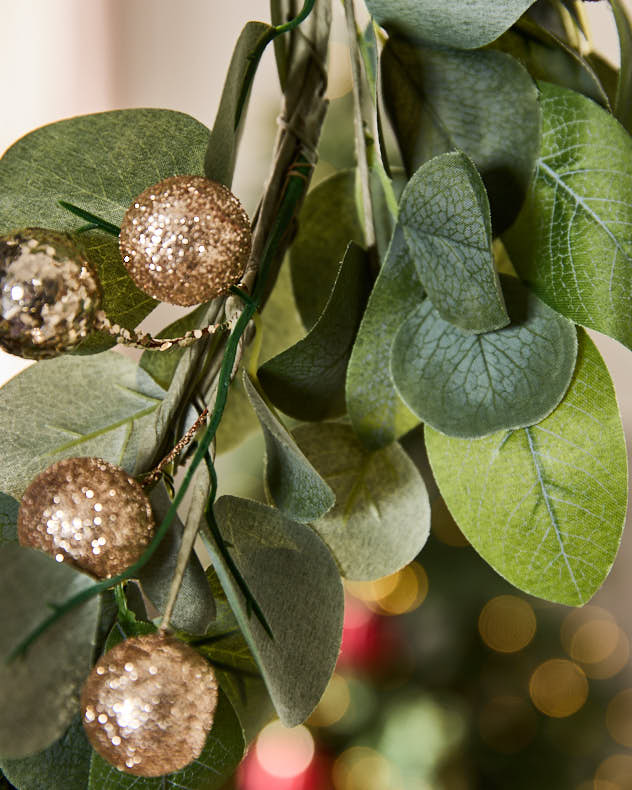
{"type": "Point", "coordinates": [360, 137]}
{"type": "Point", "coordinates": [93, 219]}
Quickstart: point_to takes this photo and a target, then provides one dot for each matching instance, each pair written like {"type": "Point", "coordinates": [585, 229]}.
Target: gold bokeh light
{"type": "Point", "coordinates": [507, 623]}
{"type": "Point", "coordinates": [361, 768]}
{"type": "Point", "coordinates": [333, 704]}
{"type": "Point", "coordinates": [398, 593]}
{"type": "Point", "coordinates": [614, 773]}
{"type": "Point", "coordinates": [619, 718]}
{"type": "Point", "coordinates": [558, 688]}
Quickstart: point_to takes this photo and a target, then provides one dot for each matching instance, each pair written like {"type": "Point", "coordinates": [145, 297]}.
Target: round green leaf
{"type": "Point", "coordinates": [572, 240]}
{"type": "Point", "coordinates": [328, 222]}
{"type": "Point", "coordinates": [445, 216]}
{"type": "Point", "coordinates": [40, 691]}
{"type": "Point", "coordinates": [381, 518]}
{"type": "Point", "coordinates": [472, 385]}
{"type": "Point", "coordinates": [100, 406]}
{"type": "Point", "coordinates": [545, 505]}
{"type": "Point", "coordinates": [483, 103]}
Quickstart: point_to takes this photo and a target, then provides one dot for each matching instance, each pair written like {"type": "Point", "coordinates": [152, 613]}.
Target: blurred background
{"type": "Point", "coordinates": [448, 678]}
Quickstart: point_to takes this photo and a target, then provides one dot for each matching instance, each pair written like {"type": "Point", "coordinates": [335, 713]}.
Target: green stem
{"type": "Point", "coordinates": [93, 219]}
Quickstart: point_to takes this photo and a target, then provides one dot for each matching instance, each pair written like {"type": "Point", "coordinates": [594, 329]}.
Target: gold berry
{"type": "Point", "coordinates": [49, 294]}
{"type": "Point", "coordinates": [89, 513]}
{"type": "Point", "coordinates": [148, 705]}
{"type": "Point", "coordinates": [185, 240]}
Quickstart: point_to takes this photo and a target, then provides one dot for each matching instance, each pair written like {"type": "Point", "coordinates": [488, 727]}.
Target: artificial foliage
{"type": "Point", "coordinates": [479, 220]}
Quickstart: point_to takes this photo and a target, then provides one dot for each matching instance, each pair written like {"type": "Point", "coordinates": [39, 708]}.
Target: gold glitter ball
{"type": "Point", "coordinates": [89, 513]}
{"type": "Point", "coordinates": [185, 240]}
{"type": "Point", "coordinates": [148, 705]}
{"type": "Point", "coordinates": [49, 294]}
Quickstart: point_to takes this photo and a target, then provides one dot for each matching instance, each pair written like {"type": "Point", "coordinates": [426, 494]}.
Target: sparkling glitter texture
{"type": "Point", "coordinates": [185, 240]}
{"type": "Point", "coordinates": [148, 705]}
{"type": "Point", "coordinates": [48, 294]}
{"type": "Point", "coordinates": [88, 513]}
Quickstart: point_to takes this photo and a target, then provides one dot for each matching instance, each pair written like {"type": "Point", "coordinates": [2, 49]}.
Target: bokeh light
{"type": "Point", "coordinates": [558, 688]}
{"type": "Point", "coordinates": [594, 641]}
{"type": "Point", "coordinates": [507, 724]}
{"type": "Point", "coordinates": [361, 768]}
{"type": "Point", "coordinates": [614, 773]}
{"type": "Point", "coordinates": [507, 623]}
{"type": "Point", "coordinates": [592, 637]}
{"type": "Point", "coordinates": [619, 718]}
{"type": "Point", "coordinates": [333, 704]}
{"type": "Point", "coordinates": [398, 593]}
{"type": "Point", "coordinates": [284, 752]}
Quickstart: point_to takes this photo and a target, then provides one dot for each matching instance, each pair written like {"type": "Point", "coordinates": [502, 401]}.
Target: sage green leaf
{"type": "Point", "coordinates": [65, 764]}
{"type": "Point", "coordinates": [307, 381]}
{"type": "Point", "coordinates": [40, 691]}
{"type": "Point", "coordinates": [220, 757]}
{"type": "Point", "coordinates": [483, 103]}
{"type": "Point", "coordinates": [472, 385]}
{"type": "Point", "coordinates": [294, 485]}
{"type": "Point", "coordinates": [547, 57]}
{"type": "Point", "coordinates": [545, 505]}
{"type": "Point", "coordinates": [377, 413]}
{"type": "Point", "coordinates": [623, 106]}
{"type": "Point", "coordinates": [280, 324]}
{"type": "Point", "coordinates": [450, 23]}
{"type": "Point", "coordinates": [327, 223]}
{"type": "Point", "coordinates": [100, 163]}
{"type": "Point", "coordinates": [74, 406]}
{"type": "Point", "coordinates": [221, 153]}
{"type": "Point", "coordinates": [8, 519]}
{"type": "Point", "coordinates": [381, 518]}
{"type": "Point", "coordinates": [572, 242]}
{"type": "Point", "coordinates": [294, 579]}
{"type": "Point", "coordinates": [194, 608]}
{"type": "Point", "coordinates": [445, 216]}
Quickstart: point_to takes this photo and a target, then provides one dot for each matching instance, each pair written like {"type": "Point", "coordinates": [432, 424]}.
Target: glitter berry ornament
{"type": "Point", "coordinates": [185, 240]}
{"type": "Point", "coordinates": [88, 513]}
{"type": "Point", "coordinates": [148, 705]}
{"type": "Point", "coordinates": [49, 294]}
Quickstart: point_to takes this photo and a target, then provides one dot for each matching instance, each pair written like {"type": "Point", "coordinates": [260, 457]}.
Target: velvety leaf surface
{"type": "Point", "coordinates": [40, 691]}
{"type": "Point", "coordinates": [471, 385]}
{"type": "Point", "coordinates": [219, 164]}
{"type": "Point", "coordinates": [294, 485]}
{"type": "Point", "coordinates": [65, 764]}
{"type": "Point", "coordinates": [450, 23]}
{"type": "Point", "coordinates": [194, 608]}
{"type": "Point", "coordinates": [327, 223]}
{"type": "Point", "coordinates": [377, 413]}
{"type": "Point", "coordinates": [545, 505]}
{"type": "Point", "coordinates": [483, 103]}
{"type": "Point", "coordinates": [381, 518]}
{"type": "Point", "coordinates": [623, 106]}
{"type": "Point", "coordinates": [100, 163]}
{"type": "Point", "coordinates": [445, 217]}
{"type": "Point", "coordinates": [222, 752]}
{"type": "Point", "coordinates": [572, 241]}
{"type": "Point", "coordinates": [74, 406]}
{"type": "Point", "coordinates": [296, 584]}
{"type": "Point", "coordinates": [8, 519]}
{"type": "Point", "coordinates": [307, 381]}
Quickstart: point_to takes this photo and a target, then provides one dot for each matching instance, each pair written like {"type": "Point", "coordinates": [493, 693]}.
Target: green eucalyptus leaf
{"type": "Point", "coordinates": [194, 608]}
{"type": "Point", "coordinates": [623, 105]}
{"type": "Point", "coordinates": [307, 381]}
{"type": "Point", "coordinates": [294, 579]}
{"type": "Point", "coordinates": [472, 385]}
{"type": "Point", "coordinates": [572, 242]}
{"type": "Point", "coordinates": [450, 23]}
{"type": "Point", "coordinates": [40, 691]}
{"type": "Point", "coordinates": [483, 103]}
{"type": "Point", "coordinates": [100, 406]}
{"type": "Point", "coordinates": [547, 57]}
{"type": "Point", "coordinates": [221, 153]}
{"type": "Point", "coordinates": [8, 519]}
{"type": "Point", "coordinates": [294, 485]}
{"type": "Point", "coordinates": [327, 223]}
{"type": "Point", "coordinates": [279, 325]}
{"type": "Point", "coordinates": [545, 505]}
{"type": "Point", "coordinates": [377, 413]}
{"type": "Point", "coordinates": [381, 518]}
{"type": "Point", "coordinates": [65, 764]}
{"type": "Point", "coordinates": [220, 757]}
{"type": "Point", "coordinates": [445, 217]}
{"type": "Point", "coordinates": [100, 163]}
